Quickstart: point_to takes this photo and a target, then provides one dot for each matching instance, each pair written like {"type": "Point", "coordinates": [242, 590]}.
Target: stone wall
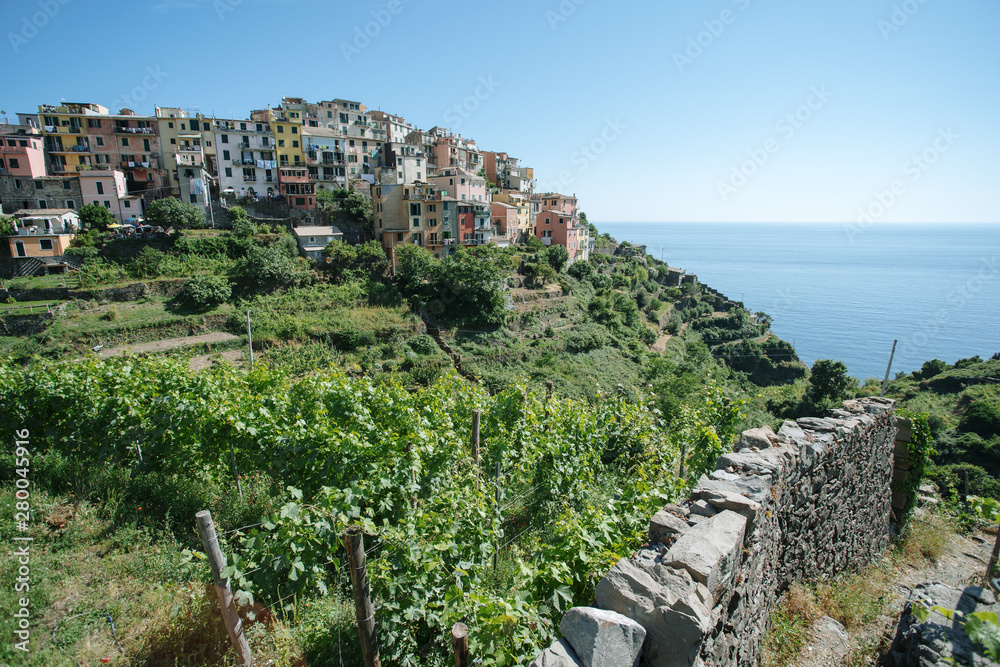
{"type": "Point", "coordinates": [805, 503]}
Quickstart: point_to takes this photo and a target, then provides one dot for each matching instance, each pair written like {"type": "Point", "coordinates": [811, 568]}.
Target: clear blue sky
{"type": "Point", "coordinates": [681, 126]}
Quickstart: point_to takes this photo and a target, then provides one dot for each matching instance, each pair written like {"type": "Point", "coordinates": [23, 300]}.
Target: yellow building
{"type": "Point", "coordinates": [286, 126]}
{"type": "Point", "coordinates": [67, 143]}
{"type": "Point", "coordinates": [188, 145]}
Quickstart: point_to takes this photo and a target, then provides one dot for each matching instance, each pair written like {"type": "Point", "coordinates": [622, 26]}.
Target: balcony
{"type": "Point", "coordinates": [440, 242]}
{"type": "Point", "coordinates": [249, 178]}
{"type": "Point", "coordinates": [134, 130]}
{"type": "Point", "coordinates": [13, 149]}
{"type": "Point", "coordinates": [80, 148]}
{"type": "Point", "coordinates": [189, 149]}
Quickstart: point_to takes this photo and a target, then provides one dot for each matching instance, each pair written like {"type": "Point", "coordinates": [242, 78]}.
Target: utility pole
{"type": "Point", "coordinates": [888, 368]}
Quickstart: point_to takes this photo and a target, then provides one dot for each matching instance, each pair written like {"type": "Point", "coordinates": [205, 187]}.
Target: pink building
{"type": "Point", "coordinates": [557, 223]}
{"type": "Point", "coordinates": [108, 188]}
{"type": "Point", "coordinates": [461, 184]}
{"type": "Point", "coordinates": [22, 153]}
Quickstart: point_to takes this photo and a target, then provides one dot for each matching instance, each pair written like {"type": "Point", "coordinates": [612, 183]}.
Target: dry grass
{"type": "Point", "coordinates": [927, 538]}
{"type": "Point", "coordinates": [791, 623]}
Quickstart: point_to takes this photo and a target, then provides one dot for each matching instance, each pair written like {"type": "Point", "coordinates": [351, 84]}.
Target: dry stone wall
{"type": "Point", "coordinates": [807, 502]}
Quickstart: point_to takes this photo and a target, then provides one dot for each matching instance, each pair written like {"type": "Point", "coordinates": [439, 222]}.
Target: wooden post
{"type": "Point", "coordinates": [230, 616]}
{"type": "Point", "coordinates": [993, 562]}
{"type": "Point", "coordinates": [476, 416]}
{"type": "Point", "coordinates": [496, 543]}
{"type": "Point", "coordinates": [460, 644]}
{"type": "Point", "coordinates": [354, 544]}
{"type": "Point", "coordinates": [683, 456]}
{"type": "Point", "coordinates": [549, 387]}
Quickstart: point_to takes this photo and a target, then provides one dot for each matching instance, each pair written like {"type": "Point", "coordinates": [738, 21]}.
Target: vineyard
{"type": "Point", "coordinates": [504, 537]}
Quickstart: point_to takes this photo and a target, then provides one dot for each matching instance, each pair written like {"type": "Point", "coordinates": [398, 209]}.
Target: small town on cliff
{"type": "Point", "coordinates": [432, 188]}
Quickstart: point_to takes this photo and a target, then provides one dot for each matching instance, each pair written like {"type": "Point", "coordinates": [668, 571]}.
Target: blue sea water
{"type": "Point", "coordinates": [842, 292]}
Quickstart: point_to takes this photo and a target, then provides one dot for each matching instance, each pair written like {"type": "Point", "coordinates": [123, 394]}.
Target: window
{"type": "Point", "coordinates": [229, 172]}
{"type": "Point", "coordinates": [416, 222]}
{"type": "Point", "coordinates": [295, 143]}
{"type": "Point", "coordinates": [432, 222]}
{"type": "Point", "coordinates": [67, 185]}
{"type": "Point", "coordinates": [38, 185]}
{"type": "Point", "coordinates": [225, 155]}
{"type": "Point", "coordinates": [312, 240]}
{"type": "Point", "coordinates": [281, 129]}
{"type": "Point", "coordinates": [295, 130]}
{"type": "Point", "coordinates": [70, 204]}
{"type": "Point", "coordinates": [205, 127]}
{"type": "Point", "coordinates": [93, 122]}
{"type": "Point", "coordinates": [183, 127]}
{"type": "Point", "coordinates": [170, 124]}
{"type": "Point", "coordinates": [224, 138]}
{"type": "Point", "coordinates": [399, 237]}
{"type": "Point", "coordinates": [300, 201]}
{"type": "Point", "coordinates": [194, 199]}
{"type": "Point", "coordinates": [100, 141]}
{"type": "Point", "coordinates": [14, 164]}
{"type": "Point", "coordinates": [547, 221]}
{"type": "Point", "coordinates": [45, 244]}
{"type": "Point", "coordinates": [42, 204]}
{"type": "Point", "coordinates": [281, 144]}
{"type": "Point", "coordinates": [124, 141]}
{"type": "Point", "coordinates": [432, 208]}
{"type": "Point", "coordinates": [128, 204]}
{"type": "Point", "coordinates": [172, 140]}
{"type": "Point", "coordinates": [100, 188]}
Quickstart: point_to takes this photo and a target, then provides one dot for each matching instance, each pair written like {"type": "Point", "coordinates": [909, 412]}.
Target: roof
{"type": "Point", "coordinates": [504, 204]}
{"type": "Point", "coordinates": [43, 212]}
{"type": "Point", "coordinates": [316, 231]}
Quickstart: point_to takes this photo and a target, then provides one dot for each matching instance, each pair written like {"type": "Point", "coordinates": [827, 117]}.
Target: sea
{"type": "Point", "coordinates": [847, 291]}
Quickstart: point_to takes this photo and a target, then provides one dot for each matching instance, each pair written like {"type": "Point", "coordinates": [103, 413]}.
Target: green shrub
{"type": "Point", "coordinates": [206, 292]}
{"type": "Point", "coordinates": [422, 344]}
{"type": "Point", "coordinates": [982, 419]}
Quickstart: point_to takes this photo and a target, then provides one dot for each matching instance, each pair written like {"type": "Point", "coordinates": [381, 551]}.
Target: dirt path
{"type": "Point", "coordinates": [203, 361]}
{"type": "Point", "coordinates": [962, 563]}
{"type": "Point", "coordinates": [167, 344]}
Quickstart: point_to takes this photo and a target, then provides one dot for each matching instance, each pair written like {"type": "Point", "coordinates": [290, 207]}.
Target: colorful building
{"type": "Point", "coordinates": [41, 240]}
{"type": "Point", "coordinates": [108, 188]}
{"type": "Point", "coordinates": [247, 162]}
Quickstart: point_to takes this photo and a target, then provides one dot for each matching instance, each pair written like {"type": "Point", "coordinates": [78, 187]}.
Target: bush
{"type": "Point", "coordinates": [982, 419]}
{"type": "Point", "coordinates": [147, 264]}
{"type": "Point", "coordinates": [580, 270]}
{"type": "Point", "coordinates": [930, 369]}
{"type": "Point", "coordinates": [95, 216]}
{"type": "Point", "coordinates": [171, 212]}
{"type": "Point", "coordinates": [205, 292]}
{"type": "Point", "coordinates": [422, 344]}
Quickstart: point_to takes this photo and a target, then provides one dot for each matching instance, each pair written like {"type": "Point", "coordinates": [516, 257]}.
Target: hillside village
{"type": "Point", "coordinates": [430, 188]}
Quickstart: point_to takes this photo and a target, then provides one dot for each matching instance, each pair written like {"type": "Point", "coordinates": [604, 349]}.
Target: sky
{"type": "Point", "coordinates": [854, 111]}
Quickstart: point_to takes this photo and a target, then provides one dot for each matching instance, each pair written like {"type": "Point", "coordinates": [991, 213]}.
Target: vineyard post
{"type": "Point", "coordinates": [476, 416]}
{"type": "Point", "coordinates": [684, 447]}
{"type": "Point", "coordinates": [354, 543]}
{"type": "Point", "coordinates": [548, 401]}
{"type": "Point", "coordinates": [460, 644]}
{"type": "Point", "coordinates": [249, 340]}
{"type": "Point", "coordinates": [231, 617]}
{"type": "Point", "coordinates": [413, 475]}
{"type": "Point", "coordinates": [496, 542]}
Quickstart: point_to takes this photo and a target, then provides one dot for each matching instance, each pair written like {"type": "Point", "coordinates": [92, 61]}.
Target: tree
{"type": "Point", "coordinates": [243, 226]}
{"type": "Point", "coordinates": [534, 243]}
{"type": "Point", "coordinates": [205, 292]}
{"type": "Point", "coordinates": [352, 203]}
{"type": "Point", "coordinates": [95, 216]}
{"type": "Point", "coordinates": [558, 256]}
{"type": "Point", "coordinates": [171, 212]}
{"type": "Point", "coordinates": [269, 266]}
{"type": "Point", "coordinates": [347, 262]}
{"type": "Point", "coordinates": [829, 381]}
{"type": "Point", "coordinates": [931, 368]}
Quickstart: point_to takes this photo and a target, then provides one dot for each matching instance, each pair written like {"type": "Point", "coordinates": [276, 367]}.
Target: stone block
{"type": "Point", "coordinates": [761, 438]}
{"type": "Point", "coordinates": [665, 526]}
{"type": "Point", "coordinates": [673, 608]}
{"type": "Point", "coordinates": [560, 654]}
{"type": "Point", "coordinates": [602, 638]}
{"type": "Point", "coordinates": [710, 551]}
